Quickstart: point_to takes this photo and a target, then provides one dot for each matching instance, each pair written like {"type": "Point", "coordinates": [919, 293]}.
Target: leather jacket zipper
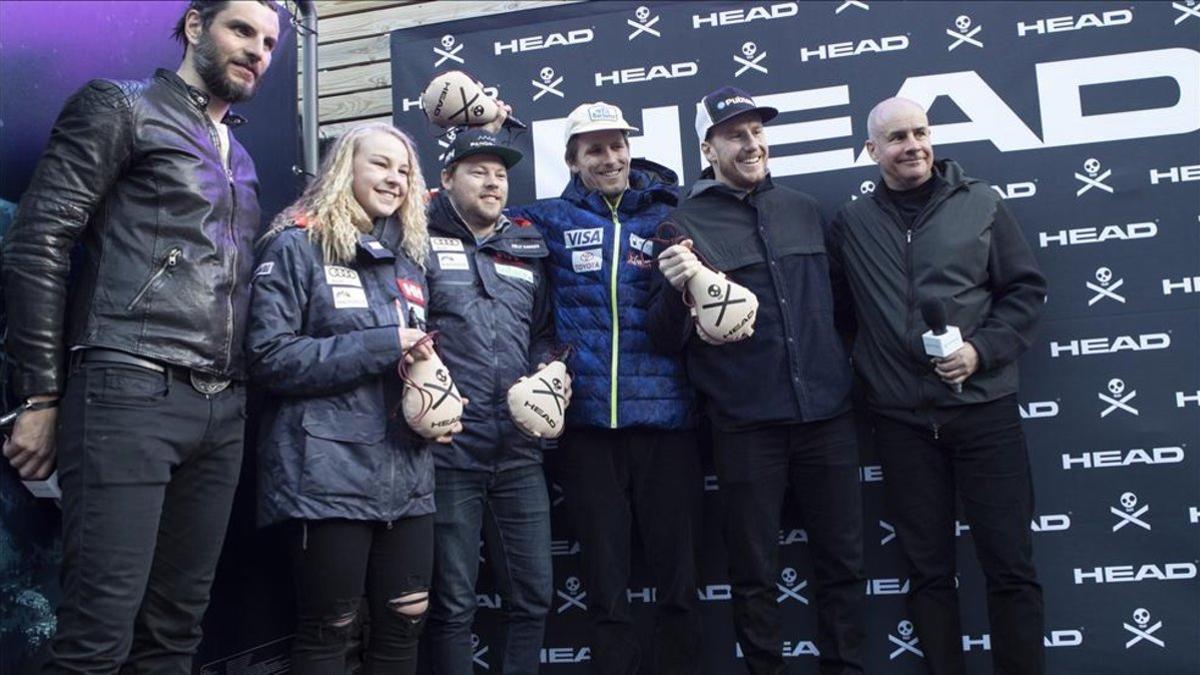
{"type": "Point", "coordinates": [215, 137]}
{"type": "Point", "coordinates": [232, 286]}
{"type": "Point", "coordinates": [169, 262]}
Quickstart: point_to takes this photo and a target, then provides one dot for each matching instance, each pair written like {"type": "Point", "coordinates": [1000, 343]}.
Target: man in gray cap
{"type": "Point", "coordinates": [779, 400]}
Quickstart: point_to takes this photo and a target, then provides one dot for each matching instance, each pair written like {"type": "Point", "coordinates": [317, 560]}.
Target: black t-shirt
{"type": "Point", "coordinates": [910, 203]}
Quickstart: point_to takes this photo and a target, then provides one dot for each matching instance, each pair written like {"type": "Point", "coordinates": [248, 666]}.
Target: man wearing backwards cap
{"type": "Point", "coordinates": [778, 400]}
{"type": "Point", "coordinates": [629, 454]}
{"type": "Point", "coordinates": [489, 297]}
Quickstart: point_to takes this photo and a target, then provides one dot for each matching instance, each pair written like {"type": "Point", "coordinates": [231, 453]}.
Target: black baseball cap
{"type": "Point", "coordinates": [476, 141]}
{"type": "Point", "coordinates": [724, 103]}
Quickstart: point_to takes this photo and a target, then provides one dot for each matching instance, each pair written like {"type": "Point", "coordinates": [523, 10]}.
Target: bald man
{"type": "Point", "coordinates": [929, 232]}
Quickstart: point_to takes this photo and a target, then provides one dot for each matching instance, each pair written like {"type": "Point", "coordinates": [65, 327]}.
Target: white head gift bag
{"type": "Point", "coordinates": [431, 403]}
{"type": "Point", "coordinates": [538, 403]}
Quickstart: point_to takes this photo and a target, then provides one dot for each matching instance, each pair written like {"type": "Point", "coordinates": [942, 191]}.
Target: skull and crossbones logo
{"type": "Point", "coordinates": [906, 641]}
{"type": "Point", "coordinates": [449, 51]}
{"type": "Point", "coordinates": [644, 23]}
{"type": "Point", "coordinates": [1116, 387]}
{"type": "Point", "coordinates": [748, 60]}
{"type": "Point", "coordinates": [1107, 287]}
{"type": "Point", "coordinates": [573, 596]}
{"type": "Point", "coordinates": [963, 35]}
{"type": "Point", "coordinates": [548, 85]}
{"type": "Point", "coordinates": [1187, 10]}
{"type": "Point", "coordinates": [1143, 630]}
{"type": "Point", "coordinates": [790, 588]}
{"type": "Point", "coordinates": [1093, 177]}
{"type": "Point", "coordinates": [1130, 516]}
{"type": "Point", "coordinates": [864, 188]}
{"type": "Point", "coordinates": [477, 652]}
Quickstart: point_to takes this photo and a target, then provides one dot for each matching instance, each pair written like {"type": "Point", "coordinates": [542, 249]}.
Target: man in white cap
{"type": "Point", "coordinates": [779, 401]}
{"type": "Point", "coordinates": [629, 453]}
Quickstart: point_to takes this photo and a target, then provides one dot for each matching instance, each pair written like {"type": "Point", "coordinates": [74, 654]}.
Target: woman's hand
{"type": "Point", "coordinates": [414, 348]}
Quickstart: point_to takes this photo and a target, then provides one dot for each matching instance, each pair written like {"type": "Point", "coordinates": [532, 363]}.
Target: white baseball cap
{"type": "Point", "coordinates": [598, 116]}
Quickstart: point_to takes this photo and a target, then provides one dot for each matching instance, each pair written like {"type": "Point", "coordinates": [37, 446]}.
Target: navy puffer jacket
{"type": "Point", "coordinates": [601, 301]}
{"type": "Point", "coordinates": [323, 341]}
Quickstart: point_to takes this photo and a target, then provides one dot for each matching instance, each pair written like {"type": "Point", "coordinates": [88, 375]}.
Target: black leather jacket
{"type": "Point", "coordinates": [134, 168]}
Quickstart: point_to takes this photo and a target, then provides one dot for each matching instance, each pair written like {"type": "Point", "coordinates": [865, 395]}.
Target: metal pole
{"type": "Point", "coordinates": [308, 85]}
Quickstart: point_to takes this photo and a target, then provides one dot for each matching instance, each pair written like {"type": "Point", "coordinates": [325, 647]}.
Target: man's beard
{"type": "Point", "coordinates": [213, 71]}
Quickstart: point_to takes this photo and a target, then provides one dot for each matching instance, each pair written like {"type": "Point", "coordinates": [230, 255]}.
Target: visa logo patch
{"type": "Point", "coordinates": [581, 238]}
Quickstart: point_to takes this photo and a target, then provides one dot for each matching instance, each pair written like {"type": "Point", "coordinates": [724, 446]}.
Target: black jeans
{"type": "Point", "coordinates": [334, 562]}
{"type": "Point", "coordinates": [612, 480]}
{"type": "Point", "coordinates": [819, 462]}
{"type": "Point", "coordinates": [982, 453]}
{"type": "Point", "coordinates": [148, 466]}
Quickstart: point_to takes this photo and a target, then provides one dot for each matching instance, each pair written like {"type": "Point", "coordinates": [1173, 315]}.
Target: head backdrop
{"type": "Point", "coordinates": [1084, 116]}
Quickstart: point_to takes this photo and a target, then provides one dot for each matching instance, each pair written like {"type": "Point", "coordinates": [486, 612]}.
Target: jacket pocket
{"type": "Point", "coordinates": [344, 447]}
{"type": "Point", "coordinates": [164, 268]}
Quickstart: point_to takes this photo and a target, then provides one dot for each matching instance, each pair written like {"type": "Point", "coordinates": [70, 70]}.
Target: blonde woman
{"type": "Point", "coordinates": [337, 300]}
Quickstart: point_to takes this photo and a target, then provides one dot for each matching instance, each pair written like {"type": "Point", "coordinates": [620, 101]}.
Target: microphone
{"type": "Point", "coordinates": [940, 340]}
{"type": "Point", "coordinates": [46, 488]}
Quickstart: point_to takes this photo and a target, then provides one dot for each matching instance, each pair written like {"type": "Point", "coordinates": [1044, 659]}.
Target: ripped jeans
{"type": "Point", "coordinates": [336, 562]}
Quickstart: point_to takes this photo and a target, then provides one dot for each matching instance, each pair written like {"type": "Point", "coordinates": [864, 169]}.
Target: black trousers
{"type": "Point", "coordinates": [615, 480]}
{"type": "Point", "coordinates": [334, 563]}
{"type": "Point", "coordinates": [148, 467]}
{"type": "Point", "coordinates": [818, 461]}
{"type": "Point", "coordinates": [982, 454]}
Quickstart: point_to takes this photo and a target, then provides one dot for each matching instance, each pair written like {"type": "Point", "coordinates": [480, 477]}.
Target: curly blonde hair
{"type": "Point", "coordinates": [332, 216]}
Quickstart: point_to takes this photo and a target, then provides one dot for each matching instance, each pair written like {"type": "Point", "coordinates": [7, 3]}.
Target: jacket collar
{"type": "Point", "coordinates": [709, 183]}
{"type": "Point", "coordinates": [947, 170]}
{"type": "Point", "coordinates": [197, 97]}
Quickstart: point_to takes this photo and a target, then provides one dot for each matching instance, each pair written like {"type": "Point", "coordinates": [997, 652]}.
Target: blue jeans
{"type": "Point", "coordinates": [516, 506]}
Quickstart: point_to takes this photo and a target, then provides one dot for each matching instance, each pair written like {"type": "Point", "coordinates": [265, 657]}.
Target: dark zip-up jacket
{"type": "Point", "coordinates": [794, 368]}
{"type": "Point", "coordinates": [324, 343]}
{"type": "Point", "coordinates": [134, 169]}
{"type": "Point", "coordinates": [964, 248]}
{"type": "Point", "coordinates": [601, 299]}
{"type": "Point", "coordinates": [490, 301]}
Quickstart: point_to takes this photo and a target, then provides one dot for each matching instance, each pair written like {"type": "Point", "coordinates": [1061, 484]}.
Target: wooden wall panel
{"type": "Point", "coordinates": [354, 50]}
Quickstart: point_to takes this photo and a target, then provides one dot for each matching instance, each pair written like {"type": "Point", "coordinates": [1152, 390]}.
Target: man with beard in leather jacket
{"type": "Point", "coordinates": [135, 390]}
